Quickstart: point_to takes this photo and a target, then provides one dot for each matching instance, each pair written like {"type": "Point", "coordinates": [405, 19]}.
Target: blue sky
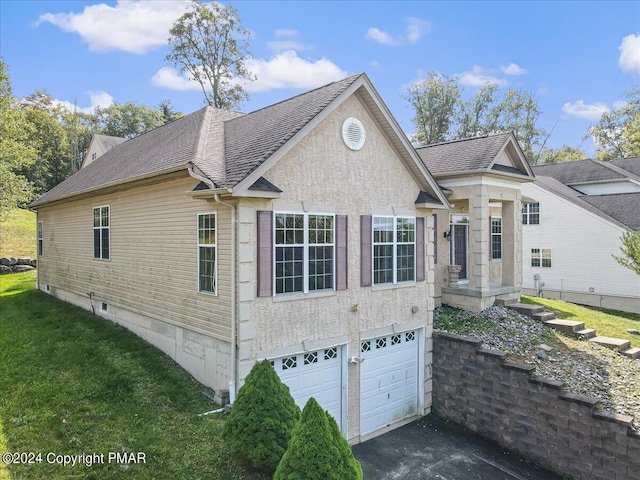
{"type": "Point", "coordinates": [577, 57]}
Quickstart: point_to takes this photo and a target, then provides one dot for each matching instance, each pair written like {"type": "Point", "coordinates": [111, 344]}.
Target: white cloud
{"type": "Point", "coordinates": [585, 111]}
{"type": "Point", "coordinates": [416, 29]}
{"type": "Point", "coordinates": [168, 77]}
{"type": "Point", "coordinates": [374, 63]}
{"type": "Point", "coordinates": [135, 26]}
{"type": "Point", "coordinates": [289, 41]}
{"type": "Point", "coordinates": [629, 59]}
{"type": "Point", "coordinates": [285, 70]}
{"type": "Point", "coordinates": [98, 99]}
{"type": "Point", "coordinates": [384, 38]}
{"type": "Point", "coordinates": [478, 78]}
{"type": "Point", "coordinates": [513, 69]}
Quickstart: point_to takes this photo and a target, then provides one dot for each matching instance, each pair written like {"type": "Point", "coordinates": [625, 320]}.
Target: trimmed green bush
{"type": "Point", "coordinates": [261, 421]}
{"type": "Point", "coordinates": [317, 450]}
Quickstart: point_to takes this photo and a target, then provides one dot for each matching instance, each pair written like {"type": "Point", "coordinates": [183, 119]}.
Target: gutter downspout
{"type": "Point", "coordinates": [234, 223]}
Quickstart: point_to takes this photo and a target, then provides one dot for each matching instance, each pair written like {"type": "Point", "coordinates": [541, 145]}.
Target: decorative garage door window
{"type": "Point", "coordinates": [315, 374]}
{"type": "Point", "coordinates": [389, 376]}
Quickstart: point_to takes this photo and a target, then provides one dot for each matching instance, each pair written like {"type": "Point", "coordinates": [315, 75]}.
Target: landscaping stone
{"type": "Point", "coordinates": [16, 265]}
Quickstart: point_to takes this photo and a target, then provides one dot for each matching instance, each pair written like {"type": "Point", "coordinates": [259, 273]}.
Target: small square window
{"type": "Point", "coordinates": [381, 342]}
{"type": "Point", "coordinates": [330, 353]}
{"type": "Point", "coordinates": [395, 339]}
{"type": "Point", "coordinates": [409, 336]}
{"type": "Point", "coordinates": [289, 362]}
{"type": "Point", "coordinates": [310, 358]}
{"type": "Point", "coordinates": [365, 346]}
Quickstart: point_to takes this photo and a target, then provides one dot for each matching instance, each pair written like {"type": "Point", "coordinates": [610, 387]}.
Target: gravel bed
{"type": "Point", "coordinates": [584, 367]}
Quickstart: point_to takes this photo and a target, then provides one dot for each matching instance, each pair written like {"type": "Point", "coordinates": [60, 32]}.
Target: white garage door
{"type": "Point", "coordinates": [316, 374]}
{"type": "Point", "coordinates": [389, 380]}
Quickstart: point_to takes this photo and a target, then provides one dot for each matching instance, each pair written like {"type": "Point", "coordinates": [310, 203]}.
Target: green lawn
{"type": "Point", "coordinates": [73, 383]}
{"type": "Point", "coordinates": [608, 323]}
{"type": "Point", "coordinates": [18, 234]}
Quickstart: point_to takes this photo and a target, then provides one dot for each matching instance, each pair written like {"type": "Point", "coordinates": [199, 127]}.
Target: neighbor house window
{"type": "Point", "coordinates": [541, 257]}
{"type": "Point", "coordinates": [304, 252]}
{"type": "Point", "coordinates": [531, 214]}
{"type": "Point", "coordinates": [207, 252]}
{"type": "Point", "coordinates": [101, 232]}
{"type": "Point", "coordinates": [40, 238]}
{"type": "Point", "coordinates": [394, 250]}
{"type": "Point", "coordinates": [496, 238]}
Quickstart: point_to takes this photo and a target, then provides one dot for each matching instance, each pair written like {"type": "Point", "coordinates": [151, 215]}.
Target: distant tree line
{"type": "Point", "coordinates": [42, 142]}
{"type": "Point", "coordinates": [442, 115]}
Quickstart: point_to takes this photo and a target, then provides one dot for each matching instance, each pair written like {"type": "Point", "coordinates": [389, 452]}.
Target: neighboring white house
{"type": "Point", "coordinates": [573, 229]}
{"type": "Point", "coordinates": [100, 144]}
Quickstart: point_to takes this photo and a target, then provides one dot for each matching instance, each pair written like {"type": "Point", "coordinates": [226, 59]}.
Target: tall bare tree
{"type": "Point", "coordinates": [209, 43]}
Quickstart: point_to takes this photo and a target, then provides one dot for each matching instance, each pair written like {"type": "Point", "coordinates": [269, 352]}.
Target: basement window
{"type": "Point", "coordinates": [104, 307]}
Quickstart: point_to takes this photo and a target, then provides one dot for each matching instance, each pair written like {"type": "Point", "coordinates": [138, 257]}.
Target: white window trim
{"type": "Point", "coordinates": [540, 257]}
{"type": "Point", "coordinates": [215, 252]}
{"type": "Point", "coordinates": [395, 250]}
{"type": "Point", "coordinates": [305, 254]}
{"type": "Point", "coordinates": [40, 238]}
{"type": "Point", "coordinates": [527, 213]}
{"type": "Point", "coordinates": [496, 235]}
{"type": "Point", "coordinates": [100, 207]}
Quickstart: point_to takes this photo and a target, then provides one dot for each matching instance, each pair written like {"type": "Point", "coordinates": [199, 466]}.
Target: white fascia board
{"type": "Point", "coordinates": [483, 180]}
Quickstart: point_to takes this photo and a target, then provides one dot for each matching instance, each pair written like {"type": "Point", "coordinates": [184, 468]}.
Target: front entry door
{"type": "Point", "coordinates": [458, 247]}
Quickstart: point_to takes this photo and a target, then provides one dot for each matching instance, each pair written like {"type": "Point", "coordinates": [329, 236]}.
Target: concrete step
{"type": "Point", "coordinates": [586, 333]}
{"type": "Point", "coordinates": [526, 309]}
{"type": "Point", "coordinates": [544, 316]}
{"type": "Point", "coordinates": [614, 343]}
{"type": "Point", "coordinates": [632, 352]}
{"type": "Point", "coordinates": [568, 327]}
{"type": "Point", "coordinates": [505, 302]}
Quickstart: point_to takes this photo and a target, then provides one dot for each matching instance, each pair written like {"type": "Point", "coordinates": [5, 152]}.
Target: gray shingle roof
{"type": "Point", "coordinates": [225, 146]}
{"type": "Point", "coordinates": [253, 138]}
{"type": "Point", "coordinates": [621, 215]}
{"type": "Point", "coordinates": [462, 155]}
{"type": "Point", "coordinates": [163, 148]}
{"type": "Point", "coordinates": [631, 165]}
{"type": "Point", "coordinates": [579, 171]}
{"type": "Point", "coordinates": [624, 207]}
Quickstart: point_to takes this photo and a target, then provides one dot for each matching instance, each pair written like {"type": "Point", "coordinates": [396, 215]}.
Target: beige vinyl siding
{"type": "Point", "coordinates": [153, 267]}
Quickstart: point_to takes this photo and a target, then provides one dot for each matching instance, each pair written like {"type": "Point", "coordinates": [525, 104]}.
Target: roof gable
{"type": "Point", "coordinates": [497, 153]}
{"type": "Point", "coordinates": [580, 171]}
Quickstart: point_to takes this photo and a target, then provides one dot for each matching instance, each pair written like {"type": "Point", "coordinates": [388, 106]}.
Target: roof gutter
{"type": "Point", "coordinates": [234, 225]}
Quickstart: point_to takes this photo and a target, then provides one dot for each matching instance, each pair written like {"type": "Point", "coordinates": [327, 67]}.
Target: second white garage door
{"type": "Point", "coordinates": [316, 374]}
{"type": "Point", "coordinates": [389, 380]}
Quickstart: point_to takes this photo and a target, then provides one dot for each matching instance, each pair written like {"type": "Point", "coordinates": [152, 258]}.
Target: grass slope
{"type": "Point", "coordinates": [18, 234]}
{"type": "Point", "coordinates": [608, 323]}
{"type": "Point", "coordinates": [71, 383]}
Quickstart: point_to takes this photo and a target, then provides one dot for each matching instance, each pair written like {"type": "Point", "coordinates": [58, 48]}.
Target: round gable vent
{"type": "Point", "coordinates": [353, 133]}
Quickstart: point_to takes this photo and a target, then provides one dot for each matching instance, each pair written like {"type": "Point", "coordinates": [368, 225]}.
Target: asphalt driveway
{"type": "Point", "coordinates": [433, 448]}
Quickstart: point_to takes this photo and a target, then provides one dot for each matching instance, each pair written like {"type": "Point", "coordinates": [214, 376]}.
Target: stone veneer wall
{"type": "Point", "coordinates": [567, 433]}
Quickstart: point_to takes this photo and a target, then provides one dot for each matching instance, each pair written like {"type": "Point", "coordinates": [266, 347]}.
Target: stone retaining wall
{"type": "Point", "coordinates": [503, 401]}
{"type": "Point", "coordinates": [16, 265]}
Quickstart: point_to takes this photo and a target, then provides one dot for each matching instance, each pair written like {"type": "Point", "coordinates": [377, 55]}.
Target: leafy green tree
{"type": "Point", "coordinates": [209, 43]}
{"type": "Point", "coordinates": [435, 101]}
{"type": "Point", "coordinates": [261, 421]}
{"type": "Point", "coordinates": [15, 151]}
{"type": "Point", "coordinates": [562, 154]}
{"type": "Point", "coordinates": [127, 120]}
{"type": "Point", "coordinates": [630, 250]}
{"type": "Point", "coordinates": [315, 453]}
{"type": "Point", "coordinates": [442, 115]}
{"type": "Point", "coordinates": [617, 132]}
{"type": "Point", "coordinates": [168, 113]}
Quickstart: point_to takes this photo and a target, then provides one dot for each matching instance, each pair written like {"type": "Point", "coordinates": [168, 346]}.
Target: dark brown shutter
{"type": "Point", "coordinates": [265, 253]}
{"type": "Point", "coordinates": [420, 273]}
{"type": "Point", "coordinates": [341, 252]}
{"type": "Point", "coordinates": [435, 238]}
{"type": "Point", "coordinates": [365, 251]}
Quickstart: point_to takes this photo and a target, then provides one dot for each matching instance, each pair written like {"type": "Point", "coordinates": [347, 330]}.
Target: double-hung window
{"type": "Point", "coordinates": [207, 273]}
{"type": "Point", "coordinates": [541, 257]}
{"type": "Point", "coordinates": [101, 232]}
{"type": "Point", "coordinates": [496, 238]}
{"type": "Point", "coordinates": [531, 214]}
{"type": "Point", "coordinates": [304, 252]}
{"type": "Point", "coordinates": [40, 238]}
{"type": "Point", "coordinates": [394, 250]}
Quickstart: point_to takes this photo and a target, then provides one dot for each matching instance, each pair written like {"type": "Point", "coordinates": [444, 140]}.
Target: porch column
{"type": "Point", "coordinates": [511, 242]}
{"type": "Point", "coordinates": [479, 246]}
